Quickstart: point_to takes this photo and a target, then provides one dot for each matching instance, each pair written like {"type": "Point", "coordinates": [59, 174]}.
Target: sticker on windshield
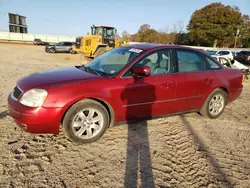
{"type": "Point", "coordinates": [135, 50]}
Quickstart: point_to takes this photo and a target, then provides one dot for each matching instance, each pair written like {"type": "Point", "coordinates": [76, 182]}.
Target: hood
{"type": "Point", "coordinates": [52, 78]}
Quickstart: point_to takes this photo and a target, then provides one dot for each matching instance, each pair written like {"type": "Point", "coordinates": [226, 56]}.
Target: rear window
{"type": "Point", "coordinates": [246, 52]}
{"type": "Point", "coordinates": [225, 52]}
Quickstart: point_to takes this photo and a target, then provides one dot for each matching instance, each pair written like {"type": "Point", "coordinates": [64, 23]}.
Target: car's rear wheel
{"type": "Point", "coordinates": [214, 104]}
{"type": "Point", "coordinates": [86, 121]}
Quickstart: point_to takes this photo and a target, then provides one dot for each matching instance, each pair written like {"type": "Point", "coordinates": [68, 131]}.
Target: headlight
{"type": "Point", "coordinates": [34, 97]}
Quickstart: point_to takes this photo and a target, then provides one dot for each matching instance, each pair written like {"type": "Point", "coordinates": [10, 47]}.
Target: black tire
{"type": "Point", "coordinates": [71, 51]}
{"type": "Point", "coordinates": [52, 50]}
{"type": "Point", "coordinates": [205, 111]}
{"type": "Point", "coordinates": [99, 52]}
{"type": "Point", "coordinates": [74, 110]}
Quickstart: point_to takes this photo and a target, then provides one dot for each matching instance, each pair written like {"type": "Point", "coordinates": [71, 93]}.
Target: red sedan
{"type": "Point", "coordinates": [141, 81]}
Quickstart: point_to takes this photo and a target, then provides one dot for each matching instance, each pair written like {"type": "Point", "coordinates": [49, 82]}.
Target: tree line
{"type": "Point", "coordinates": [214, 25]}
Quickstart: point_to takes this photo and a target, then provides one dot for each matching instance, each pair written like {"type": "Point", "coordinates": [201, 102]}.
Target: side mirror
{"type": "Point", "coordinates": [141, 71]}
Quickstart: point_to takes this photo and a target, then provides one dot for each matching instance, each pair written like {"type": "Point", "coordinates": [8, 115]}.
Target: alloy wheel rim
{"type": "Point", "coordinates": [216, 104]}
{"type": "Point", "coordinates": [87, 123]}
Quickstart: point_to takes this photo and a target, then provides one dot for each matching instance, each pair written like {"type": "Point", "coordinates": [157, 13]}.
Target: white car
{"type": "Point", "coordinates": [233, 64]}
{"type": "Point", "coordinates": [222, 53]}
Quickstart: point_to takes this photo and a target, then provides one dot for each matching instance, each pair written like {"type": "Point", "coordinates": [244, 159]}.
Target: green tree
{"type": "Point", "coordinates": [147, 34]}
{"type": "Point", "coordinates": [214, 24]}
{"type": "Point", "coordinates": [245, 32]}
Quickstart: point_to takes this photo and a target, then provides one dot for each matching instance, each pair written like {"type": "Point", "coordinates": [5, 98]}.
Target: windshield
{"type": "Point", "coordinates": [112, 62]}
{"type": "Point", "coordinates": [104, 31]}
{"type": "Point", "coordinates": [108, 32]}
{"type": "Point", "coordinates": [211, 52]}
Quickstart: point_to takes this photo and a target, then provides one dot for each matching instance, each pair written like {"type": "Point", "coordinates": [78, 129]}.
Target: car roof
{"type": "Point", "coordinates": [152, 46]}
{"type": "Point", "coordinates": [147, 46]}
{"type": "Point", "coordinates": [104, 26]}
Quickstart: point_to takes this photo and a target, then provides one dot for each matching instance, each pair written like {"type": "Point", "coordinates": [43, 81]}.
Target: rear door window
{"type": "Point", "coordinates": [211, 65]}
{"type": "Point", "coordinates": [225, 52]}
{"type": "Point", "coordinates": [219, 53]}
{"type": "Point", "coordinates": [189, 61]}
{"type": "Point", "coordinates": [67, 44]}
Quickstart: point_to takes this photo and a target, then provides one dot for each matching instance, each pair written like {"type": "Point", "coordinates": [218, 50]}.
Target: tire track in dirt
{"type": "Point", "coordinates": [231, 159]}
{"type": "Point", "coordinates": [177, 160]}
{"type": "Point", "coordinates": [180, 162]}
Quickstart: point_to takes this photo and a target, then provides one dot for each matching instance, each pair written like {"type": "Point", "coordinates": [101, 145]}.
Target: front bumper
{"type": "Point", "coordinates": [35, 120]}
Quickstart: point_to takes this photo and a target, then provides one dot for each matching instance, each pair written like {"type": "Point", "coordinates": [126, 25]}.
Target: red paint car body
{"type": "Point", "coordinates": [173, 93]}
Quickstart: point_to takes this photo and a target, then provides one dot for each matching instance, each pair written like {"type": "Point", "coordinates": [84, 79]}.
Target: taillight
{"type": "Point", "coordinates": [98, 39]}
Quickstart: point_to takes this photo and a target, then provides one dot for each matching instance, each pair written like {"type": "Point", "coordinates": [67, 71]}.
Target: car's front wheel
{"type": "Point", "coordinates": [214, 104]}
{"type": "Point", "coordinates": [86, 121]}
{"type": "Point", "coordinates": [71, 51]}
{"type": "Point", "coordinates": [52, 50]}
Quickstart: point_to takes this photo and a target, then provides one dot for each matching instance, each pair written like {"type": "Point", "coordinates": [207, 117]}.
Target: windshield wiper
{"type": "Point", "coordinates": [99, 73]}
{"type": "Point", "coordinates": [91, 70]}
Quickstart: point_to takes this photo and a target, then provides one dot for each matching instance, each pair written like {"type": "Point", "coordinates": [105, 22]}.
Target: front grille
{"type": "Point", "coordinates": [109, 42]}
{"type": "Point", "coordinates": [17, 92]}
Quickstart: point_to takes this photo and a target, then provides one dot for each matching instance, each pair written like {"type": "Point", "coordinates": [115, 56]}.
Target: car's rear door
{"type": "Point", "coordinates": [153, 95]}
{"type": "Point", "coordinates": [193, 82]}
{"type": "Point", "coordinates": [67, 46]}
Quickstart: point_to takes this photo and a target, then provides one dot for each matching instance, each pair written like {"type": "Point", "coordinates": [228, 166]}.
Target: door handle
{"type": "Point", "coordinates": [208, 81]}
{"type": "Point", "coordinates": [166, 86]}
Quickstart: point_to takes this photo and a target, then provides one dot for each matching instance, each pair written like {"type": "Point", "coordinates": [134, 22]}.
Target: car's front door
{"type": "Point", "coordinates": [59, 47]}
{"type": "Point", "coordinates": [150, 96]}
{"type": "Point", "coordinates": [192, 81]}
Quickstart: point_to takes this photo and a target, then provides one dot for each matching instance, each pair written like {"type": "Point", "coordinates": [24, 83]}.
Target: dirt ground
{"type": "Point", "coordinates": [180, 151]}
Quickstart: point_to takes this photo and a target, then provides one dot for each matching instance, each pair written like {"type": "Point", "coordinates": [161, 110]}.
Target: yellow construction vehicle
{"type": "Point", "coordinates": [101, 39]}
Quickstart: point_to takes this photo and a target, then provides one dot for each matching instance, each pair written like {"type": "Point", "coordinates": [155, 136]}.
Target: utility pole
{"type": "Point", "coordinates": [236, 36]}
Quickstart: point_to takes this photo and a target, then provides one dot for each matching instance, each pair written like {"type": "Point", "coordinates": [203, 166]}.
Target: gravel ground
{"type": "Point", "coordinates": [180, 151]}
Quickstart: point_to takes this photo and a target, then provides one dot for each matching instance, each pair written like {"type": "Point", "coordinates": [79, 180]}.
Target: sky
{"type": "Point", "coordinates": [74, 17]}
